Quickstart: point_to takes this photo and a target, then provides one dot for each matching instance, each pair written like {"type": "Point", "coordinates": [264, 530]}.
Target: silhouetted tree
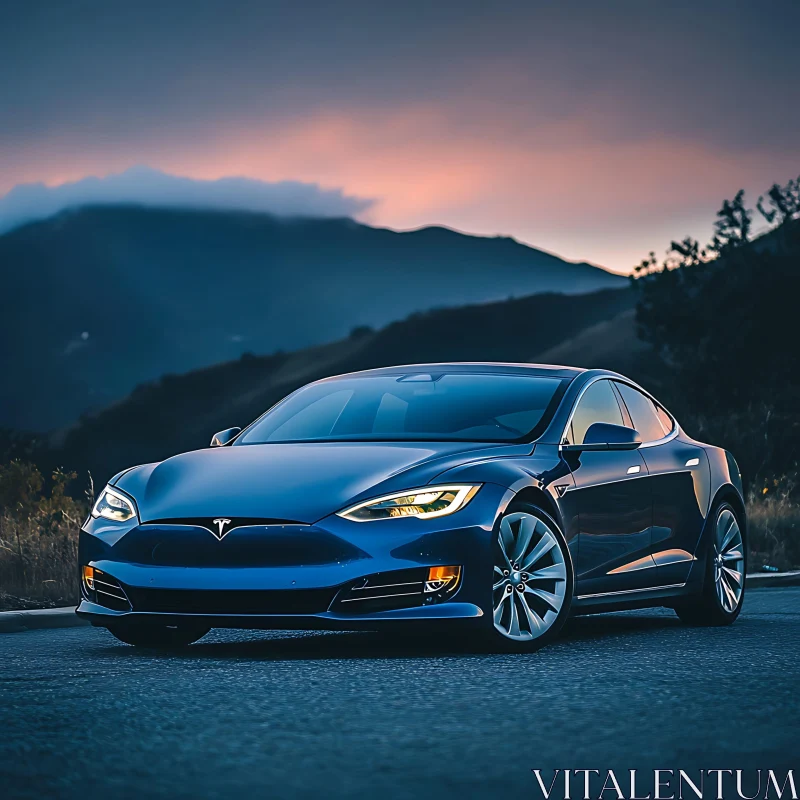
{"type": "Point", "coordinates": [733, 224]}
{"type": "Point", "coordinates": [784, 211]}
{"type": "Point", "coordinates": [722, 324]}
{"type": "Point", "coordinates": [785, 202]}
{"type": "Point", "coordinates": [687, 253]}
{"type": "Point", "coordinates": [721, 318]}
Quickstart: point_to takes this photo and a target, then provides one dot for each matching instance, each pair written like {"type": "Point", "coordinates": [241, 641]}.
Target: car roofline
{"type": "Point", "coordinates": [485, 367]}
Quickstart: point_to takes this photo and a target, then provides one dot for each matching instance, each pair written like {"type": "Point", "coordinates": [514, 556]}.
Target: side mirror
{"type": "Point", "coordinates": [605, 436]}
{"type": "Point", "coordinates": [225, 437]}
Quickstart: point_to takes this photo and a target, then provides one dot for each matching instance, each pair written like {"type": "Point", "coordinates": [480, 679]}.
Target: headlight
{"type": "Point", "coordinates": [427, 502]}
{"type": "Point", "coordinates": [114, 505]}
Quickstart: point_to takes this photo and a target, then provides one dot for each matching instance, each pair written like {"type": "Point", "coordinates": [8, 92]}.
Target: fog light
{"type": "Point", "coordinates": [442, 578]}
{"type": "Point", "coordinates": [88, 577]}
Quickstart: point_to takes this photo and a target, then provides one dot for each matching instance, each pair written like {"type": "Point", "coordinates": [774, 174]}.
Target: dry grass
{"type": "Point", "coordinates": [39, 526]}
{"type": "Point", "coordinates": [773, 523]}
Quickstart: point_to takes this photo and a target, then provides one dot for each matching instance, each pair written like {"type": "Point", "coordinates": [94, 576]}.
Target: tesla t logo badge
{"type": "Point", "coordinates": [221, 523]}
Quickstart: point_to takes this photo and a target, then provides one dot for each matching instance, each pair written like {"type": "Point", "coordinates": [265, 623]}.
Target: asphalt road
{"type": "Point", "coordinates": [352, 715]}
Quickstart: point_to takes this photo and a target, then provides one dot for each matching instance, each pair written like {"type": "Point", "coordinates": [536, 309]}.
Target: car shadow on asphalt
{"type": "Point", "coordinates": [605, 625]}
{"type": "Point", "coordinates": [322, 645]}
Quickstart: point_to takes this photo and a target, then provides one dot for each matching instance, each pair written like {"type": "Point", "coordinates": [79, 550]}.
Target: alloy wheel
{"type": "Point", "coordinates": [530, 577]}
{"type": "Point", "coordinates": [728, 561]}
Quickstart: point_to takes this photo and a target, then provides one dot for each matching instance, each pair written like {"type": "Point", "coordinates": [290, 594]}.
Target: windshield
{"type": "Point", "coordinates": [413, 407]}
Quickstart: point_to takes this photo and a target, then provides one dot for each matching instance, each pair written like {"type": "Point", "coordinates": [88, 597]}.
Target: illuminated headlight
{"type": "Point", "coordinates": [427, 502]}
{"type": "Point", "coordinates": [114, 505]}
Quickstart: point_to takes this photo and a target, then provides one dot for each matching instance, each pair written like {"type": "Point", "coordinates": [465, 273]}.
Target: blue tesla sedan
{"type": "Point", "coordinates": [489, 499]}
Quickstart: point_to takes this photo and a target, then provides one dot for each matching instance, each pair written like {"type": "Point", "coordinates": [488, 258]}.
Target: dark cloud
{"type": "Point", "coordinates": [721, 70]}
{"type": "Point", "coordinates": [145, 186]}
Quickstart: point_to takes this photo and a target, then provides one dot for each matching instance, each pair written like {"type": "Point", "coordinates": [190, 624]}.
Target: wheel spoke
{"type": "Point", "coordinates": [506, 536]}
{"type": "Point", "coordinates": [527, 526]}
{"type": "Point", "coordinates": [498, 610]}
{"type": "Point", "coordinates": [501, 582]}
{"type": "Point", "coordinates": [553, 600]}
{"type": "Point", "coordinates": [513, 625]}
{"type": "Point", "coordinates": [731, 529]}
{"type": "Point", "coordinates": [724, 522]}
{"type": "Point", "coordinates": [544, 545]}
{"type": "Point", "coordinates": [733, 574]}
{"type": "Point", "coordinates": [535, 624]}
{"type": "Point", "coordinates": [555, 572]}
{"type": "Point", "coordinates": [733, 555]}
{"type": "Point", "coordinates": [731, 597]}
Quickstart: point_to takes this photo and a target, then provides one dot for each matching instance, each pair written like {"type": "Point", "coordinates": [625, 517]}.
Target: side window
{"type": "Point", "coordinates": [598, 404]}
{"type": "Point", "coordinates": [665, 419]}
{"type": "Point", "coordinates": [643, 413]}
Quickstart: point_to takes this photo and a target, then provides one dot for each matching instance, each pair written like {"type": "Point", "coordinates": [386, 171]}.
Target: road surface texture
{"type": "Point", "coordinates": [263, 715]}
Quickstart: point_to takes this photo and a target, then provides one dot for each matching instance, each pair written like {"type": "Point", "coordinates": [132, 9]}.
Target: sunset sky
{"type": "Point", "coordinates": [597, 130]}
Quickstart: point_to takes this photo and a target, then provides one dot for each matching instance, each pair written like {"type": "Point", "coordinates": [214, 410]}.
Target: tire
{"type": "Point", "coordinates": [157, 636]}
{"type": "Point", "coordinates": [530, 603]}
{"type": "Point", "coordinates": [720, 601]}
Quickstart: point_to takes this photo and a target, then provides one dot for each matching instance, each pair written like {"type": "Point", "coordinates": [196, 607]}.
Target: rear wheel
{"type": "Point", "coordinates": [157, 636]}
{"type": "Point", "coordinates": [723, 587]}
{"type": "Point", "coordinates": [533, 581]}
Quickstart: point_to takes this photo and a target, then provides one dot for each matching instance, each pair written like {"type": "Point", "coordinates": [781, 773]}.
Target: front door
{"type": "Point", "coordinates": [678, 476]}
{"type": "Point", "coordinates": [614, 503]}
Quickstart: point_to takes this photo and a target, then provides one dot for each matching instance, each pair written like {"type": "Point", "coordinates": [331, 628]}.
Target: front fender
{"type": "Point", "coordinates": [542, 476]}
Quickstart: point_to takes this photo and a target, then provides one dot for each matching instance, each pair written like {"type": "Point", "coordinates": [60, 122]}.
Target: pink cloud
{"type": "Point", "coordinates": [567, 186]}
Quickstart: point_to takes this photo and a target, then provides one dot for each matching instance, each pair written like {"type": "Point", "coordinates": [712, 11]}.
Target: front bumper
{"type": "Point", "coordinates": [306, 567]}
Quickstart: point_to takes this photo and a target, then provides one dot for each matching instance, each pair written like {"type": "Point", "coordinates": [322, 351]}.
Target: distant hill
{"type": "Point", "coordinates": [612, 343]}
{"type": "Point", "coordinates": [97, 300]}
{"type": "Point", "coordinates": [179, 413]}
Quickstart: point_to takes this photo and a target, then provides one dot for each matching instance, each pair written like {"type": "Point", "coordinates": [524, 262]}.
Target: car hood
{"type": "Point", "coordinates": [292, 482]}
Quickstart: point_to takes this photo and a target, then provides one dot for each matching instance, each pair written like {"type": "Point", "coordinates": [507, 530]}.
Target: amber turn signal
{"type": "Point", "coordinates": [87, 573]}
{"type": "Point", "coordinates": [442, 578]}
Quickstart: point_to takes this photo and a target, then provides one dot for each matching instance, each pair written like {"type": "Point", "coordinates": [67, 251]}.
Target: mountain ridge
{"type": "Point", "coordinates": [159, 291]}
{"type": "Point", "coordinates": [180, 412]}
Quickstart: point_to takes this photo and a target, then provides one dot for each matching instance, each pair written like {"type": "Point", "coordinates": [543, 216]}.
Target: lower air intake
{"type": "Point", "coordinates": [108, 592]}
{"type": "Point", "coordinates": [384, 591]}
{"type": "Point", "coordinates": [234, 601]}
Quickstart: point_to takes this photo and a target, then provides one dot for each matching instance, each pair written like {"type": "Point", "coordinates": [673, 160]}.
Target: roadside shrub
{"type": "Point", "coordinates": [773, 519]}
{"type": "Point", "coordinates": [39, 524]}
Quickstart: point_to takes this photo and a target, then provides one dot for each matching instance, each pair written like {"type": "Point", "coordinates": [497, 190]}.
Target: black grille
{"type": "Point", "coordinates": [109, 593]}
{"type": "Point", "coordinates": [231, 601]}
{"type": "Point", "coordinates": [233, 522]}
{"type": "Point", "coordinates": [383, 591]}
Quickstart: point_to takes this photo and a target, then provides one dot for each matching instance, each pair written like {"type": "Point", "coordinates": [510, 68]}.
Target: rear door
{"type": "Point", "coordinates": [676, 470]}
{"type": "Point", "coordinates": [613, 501]}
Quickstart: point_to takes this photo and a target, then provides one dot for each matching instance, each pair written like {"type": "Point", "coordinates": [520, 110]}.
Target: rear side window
{"type": "Point", "coordinates": [598, 404]}
{"type": "Point", "coordinates": [644, 413]}
{"type": "Point", "coordinates": [665, 419]}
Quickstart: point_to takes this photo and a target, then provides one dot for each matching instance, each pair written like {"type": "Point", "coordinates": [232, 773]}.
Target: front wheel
{"type": "Point", "coordinates": [723, 587]}
{"type": "Point", "coordinates": [533, 580]}
{"type": "Point", "coordinates": [157, 636]}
